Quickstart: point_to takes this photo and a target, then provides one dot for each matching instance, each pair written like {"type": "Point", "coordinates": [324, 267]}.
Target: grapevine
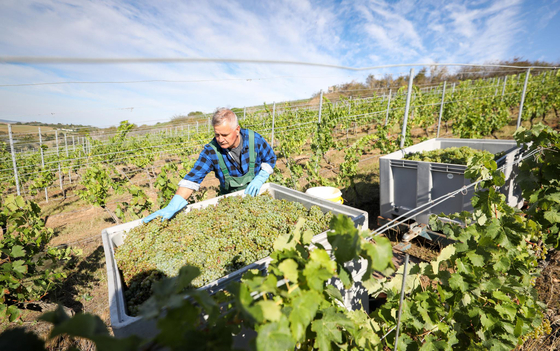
{"type": "Point", "coordinates": [26, 261]}
{"type": "Point", "coordinates": [478, 294]}
{"type": "Point", "coordinates": [97, 182]}
{"type": "Point", "coordinates": [474, 108]}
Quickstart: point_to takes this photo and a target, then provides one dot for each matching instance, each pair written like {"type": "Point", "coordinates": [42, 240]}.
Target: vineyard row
{"type": "Point", "coordinates": [472, 109]}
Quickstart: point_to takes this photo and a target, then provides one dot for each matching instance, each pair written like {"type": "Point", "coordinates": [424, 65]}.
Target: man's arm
{"type": "Point", "coordinates": [190, 183]}
{"type": "Point", "coordinates": [266, 154]}
{"type": "Point", "coordinates": [267, 160]}
{"type": "Point", "coordinates": [185, 193]}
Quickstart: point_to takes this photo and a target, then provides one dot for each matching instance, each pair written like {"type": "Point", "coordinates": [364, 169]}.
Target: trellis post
{"type": "Point", "coordinates": [320, 105]}
{"type": "Point", "coordinates": [388, 107]}
{"type": "Point", "coordinates": [58, 156]}
{"type": "Point", "coordinates": [407, 107]}
{"type": "Point", "coordinates": [43, 160]}
{"type": "Point", "coordinates": [523, 97]}
{"type": "Point", "coordinates": [403, 286]}
{"type": "Point", "coordinates": [66, 144]}
{"type": "Point", "coordinates": [14, 159]}
{"type": "Point", "coordinates": [272, 134]}
{"type": "Point", "coordinates": [441, 108]}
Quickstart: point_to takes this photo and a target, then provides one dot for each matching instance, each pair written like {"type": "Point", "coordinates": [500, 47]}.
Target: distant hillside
{"type": "Point", "coordinates": [57, 125]}
{"type": "Point", "coordinates": [431, 76]}
{"type": "Point", "coordinates": [20, 128]}
{"type": "Point", "coordinates": [31, 129]}
{"type": "Point", "coordinates": [7, 121]}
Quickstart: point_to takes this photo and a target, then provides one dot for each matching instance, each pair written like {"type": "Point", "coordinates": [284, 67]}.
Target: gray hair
{"type": "Point", "coordinates": [224, 115]}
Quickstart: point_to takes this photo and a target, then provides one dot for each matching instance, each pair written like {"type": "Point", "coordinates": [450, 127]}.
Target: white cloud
{"type": "Point", "coordinates": [390, 28]}
{"type": "Point", "coordinates": [547, 12]}
{"type": "Point", "coordinates": [289, 31]}
{"type": "Point", "coordinates": [486, 33]}
{"type": "Point", "coordinates": [355, 33]}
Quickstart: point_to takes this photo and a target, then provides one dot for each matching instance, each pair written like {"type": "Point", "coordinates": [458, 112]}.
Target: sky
{"type": "Point", "coordinates": [353, 33]}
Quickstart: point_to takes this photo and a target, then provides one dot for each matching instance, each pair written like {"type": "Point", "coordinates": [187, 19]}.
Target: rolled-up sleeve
{"type": "Point", "coordinates": [265, 153]}
{"type": "Point", "coordinates": [201, 168]}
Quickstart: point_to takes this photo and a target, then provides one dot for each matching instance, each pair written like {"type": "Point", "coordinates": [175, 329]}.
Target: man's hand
{"type": "Point", "coordinates": [255, 186]}
{"type": "Point", "coordinates": [176, 204]}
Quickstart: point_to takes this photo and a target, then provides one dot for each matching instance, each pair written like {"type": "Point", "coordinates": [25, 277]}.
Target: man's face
{"type": "Point", "coordinates": [226, 136]}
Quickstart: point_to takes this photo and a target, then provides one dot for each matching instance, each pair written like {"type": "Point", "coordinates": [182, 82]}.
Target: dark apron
{"type": "Point", "coordinates": [232, 184]}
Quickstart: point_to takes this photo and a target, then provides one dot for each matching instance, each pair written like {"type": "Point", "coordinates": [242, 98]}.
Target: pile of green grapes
{"type": "Point", "coordinates": [218, 239]}
{"type": "Point", "coordinates": [453, 155]}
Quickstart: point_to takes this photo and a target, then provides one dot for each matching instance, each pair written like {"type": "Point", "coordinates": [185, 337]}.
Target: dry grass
{"type": "Point", "coordinates": [18, 128]}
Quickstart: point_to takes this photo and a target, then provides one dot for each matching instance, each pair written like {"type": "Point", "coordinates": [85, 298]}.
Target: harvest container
{"type": "Point", "coordinates": [124, 325]}
{"type": "Point", "coordinates": [406, 184]}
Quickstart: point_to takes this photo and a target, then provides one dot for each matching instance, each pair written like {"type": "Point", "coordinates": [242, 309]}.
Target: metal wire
{"type": "Point", "coordinates": [91, 60]}
{"type": "Point", "coordinates": [160, 81]}
{"type": "Point", "coordinates": [206, 116]}
{"type": "Point", "coordinates": [267, 129]}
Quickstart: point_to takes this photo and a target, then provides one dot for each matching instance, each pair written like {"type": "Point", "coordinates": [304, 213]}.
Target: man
{"type": "Point", "coordinates": [240, 159]}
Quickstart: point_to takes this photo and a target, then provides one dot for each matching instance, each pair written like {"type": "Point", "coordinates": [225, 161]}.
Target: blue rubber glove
{"type": "Point", "coordinates": [255, 186]}
{"type": "Point", "coordinates": [176, 204]}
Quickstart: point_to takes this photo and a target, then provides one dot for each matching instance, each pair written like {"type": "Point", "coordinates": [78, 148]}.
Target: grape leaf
{"type": "Point", "coordinates": [19, 266]}
{"type": "Point", "coordinates": [334, 293]}
{"type": "Point", "coordinates": [457, 282]}
{"type": "Point", "coordinates": [552, 216]}
{"type": "Point", "coordinates": [344, 238]}
{"type": "Point", "coordinates": [320, 269]}
{"type": "Point", "coordinates": [289, 268]}
{"type": "Point", "coordinates": [275, 336]}
{"type": "Point", "coordinates": [344, 276]}
{"type": "Point", "coordinates": [18, 251]}
{"type": "Point", "coordinates": [553, 197]}
{"type": "Point", "coordinates": [13, 312]}
{"type": "Point", "coordinates": [304, 310]}
{"type": "Point", "coordinates": [500, 295]}
{"type": "Point", "coordinates": [477, 260]}
{"type": "Point", "coordinates": [518, 327]}
{"type": "Point", "coordinates": [328, 328]}
{"type": "Point", "coordinates": [379, 255]}
{"type": "Point", "coordinates": [507, 310]}
{"type": "Point", "coordinates": [502, 265]}
{"type": "Point", "coordinates": [270, 310]}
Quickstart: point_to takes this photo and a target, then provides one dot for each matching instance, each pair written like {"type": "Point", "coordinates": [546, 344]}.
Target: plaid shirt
{"type": "Point", "coordinates": [208, 161]}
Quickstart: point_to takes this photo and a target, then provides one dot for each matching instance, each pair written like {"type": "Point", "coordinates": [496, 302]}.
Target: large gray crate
{"type": "Point", "coordinates": [405, 185]}
{"type": "Point", "coordinates": [124, 325]}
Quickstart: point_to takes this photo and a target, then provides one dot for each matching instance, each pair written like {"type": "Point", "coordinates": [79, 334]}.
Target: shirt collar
{"type": "Point", "coordinates": [245, 134]}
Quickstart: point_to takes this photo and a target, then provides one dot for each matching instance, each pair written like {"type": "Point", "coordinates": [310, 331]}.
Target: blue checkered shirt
{"type": "Point", "coordinates": [208, 161]}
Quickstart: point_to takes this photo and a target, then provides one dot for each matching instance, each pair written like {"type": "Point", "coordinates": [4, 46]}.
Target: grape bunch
{"type": "Point", "coordinates": [217, 239]}
{"type": "Point", "coordinates": [453, 155]}
{"type": "Point", "coordinates": [543, 329]}
{"type": "Point", "coordinates": [543, 253]}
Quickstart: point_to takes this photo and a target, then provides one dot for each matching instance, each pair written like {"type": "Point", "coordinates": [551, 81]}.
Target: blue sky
{"type": "Point", "coordinates": [350, 33]}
